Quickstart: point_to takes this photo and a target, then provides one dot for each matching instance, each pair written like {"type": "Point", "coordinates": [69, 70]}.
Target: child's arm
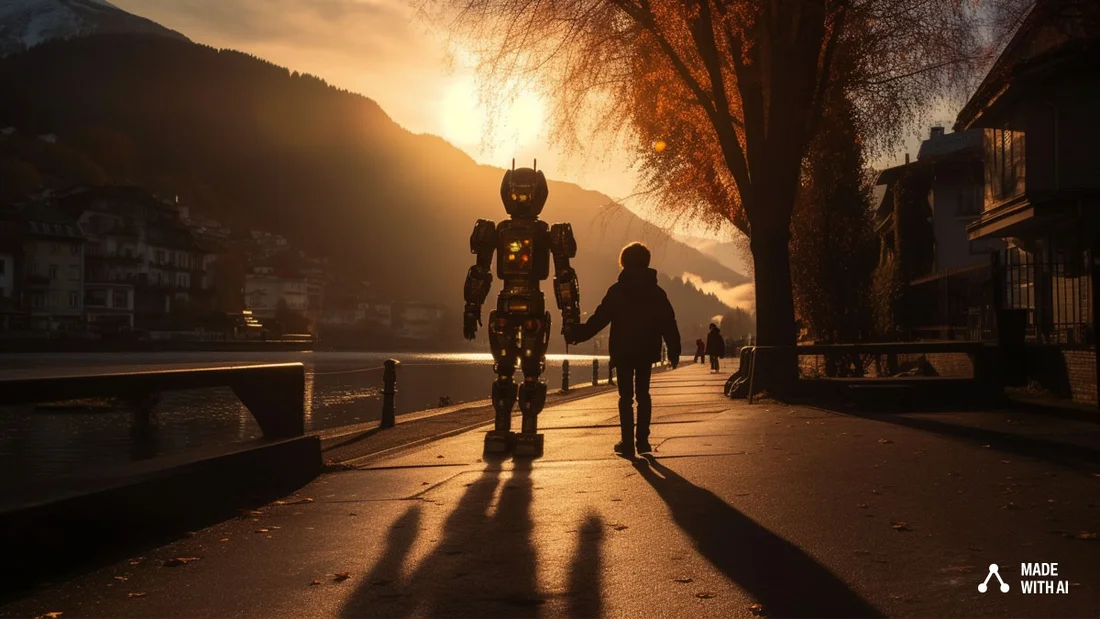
{"type": "Point", "coordinates": [595, 323]}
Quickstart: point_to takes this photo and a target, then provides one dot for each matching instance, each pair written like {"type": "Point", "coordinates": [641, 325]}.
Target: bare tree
{"type": "Point", "coordinates": [722, 97]}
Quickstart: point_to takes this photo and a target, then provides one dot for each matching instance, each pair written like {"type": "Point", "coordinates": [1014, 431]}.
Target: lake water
{"type": "Point", "coordinates": [342, 388]}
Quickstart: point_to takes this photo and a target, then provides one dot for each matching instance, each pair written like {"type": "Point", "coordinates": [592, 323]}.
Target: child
{"type": "Point", "coordinates": [640, 316]}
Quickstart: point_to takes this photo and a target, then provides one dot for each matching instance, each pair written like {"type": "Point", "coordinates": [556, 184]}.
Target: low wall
{"type": "Point", "coordinates": [1065, 372]}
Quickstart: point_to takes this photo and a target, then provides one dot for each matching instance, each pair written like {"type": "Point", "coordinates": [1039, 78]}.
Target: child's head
{"type": "Point", "coordinates": [634, 256]}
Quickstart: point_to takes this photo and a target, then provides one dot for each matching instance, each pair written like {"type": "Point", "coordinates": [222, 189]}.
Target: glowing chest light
{"type": "Point", "coordinates": [519, 253]}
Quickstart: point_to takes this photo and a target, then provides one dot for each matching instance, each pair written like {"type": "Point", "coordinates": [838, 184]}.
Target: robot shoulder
{"type": "Point", "coordinates": [562, 242]}
{"type": "Point", "coordinates": [484, 236]}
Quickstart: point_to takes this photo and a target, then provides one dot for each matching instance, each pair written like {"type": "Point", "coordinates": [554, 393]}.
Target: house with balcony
{"type": "Point", "coordinates": [923, 209]}
{"type": "Point", "coordinates": [140, 240]}
{"type": "Point", "coordinates": [1037, 113]}
{"type": "Point", "coordinates": [49, 250]}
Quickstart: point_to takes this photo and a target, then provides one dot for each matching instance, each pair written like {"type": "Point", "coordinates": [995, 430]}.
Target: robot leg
{"type": "Point", "coordinates": [532, 393]}
{"type": "Point", "coordinates": [502, 342]}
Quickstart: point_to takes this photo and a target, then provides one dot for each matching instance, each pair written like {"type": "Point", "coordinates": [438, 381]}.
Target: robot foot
{"type": "Point", "coordinates": [499, 443]}
{"type": "Point", "coordinates": [529, 445]}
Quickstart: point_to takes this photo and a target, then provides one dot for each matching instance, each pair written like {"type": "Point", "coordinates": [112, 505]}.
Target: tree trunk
{"type": "Point", "coordinates": [777, 371]}
{"type": "Point", "coordinates": [774, 298]}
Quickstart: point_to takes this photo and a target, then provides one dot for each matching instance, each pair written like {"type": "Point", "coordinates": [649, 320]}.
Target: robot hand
{"type": "Point", "coordinates": [569, 331]}
{"type": "Point", "coordinates": [470, 323]}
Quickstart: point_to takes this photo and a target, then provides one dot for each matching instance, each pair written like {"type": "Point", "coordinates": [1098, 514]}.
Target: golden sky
{"type": "Point", "coordinates": [383, 50]}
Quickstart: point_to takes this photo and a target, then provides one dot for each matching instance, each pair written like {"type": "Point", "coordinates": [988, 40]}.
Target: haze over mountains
{"type": "Point", "coordinates": [260, 147]}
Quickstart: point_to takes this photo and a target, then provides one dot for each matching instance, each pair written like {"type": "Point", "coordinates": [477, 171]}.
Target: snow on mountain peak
{"type": "Point", "coordinates": [26, 23]}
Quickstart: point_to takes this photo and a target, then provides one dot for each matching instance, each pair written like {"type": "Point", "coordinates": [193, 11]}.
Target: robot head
{"type": "Point", "coordinates": [524, 192]}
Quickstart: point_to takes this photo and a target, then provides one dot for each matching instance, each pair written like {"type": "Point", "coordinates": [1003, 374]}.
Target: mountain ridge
{"type": "Point", "coordinates": [262, 147]}
{"type": "Point", "coordinates": [27, 23]}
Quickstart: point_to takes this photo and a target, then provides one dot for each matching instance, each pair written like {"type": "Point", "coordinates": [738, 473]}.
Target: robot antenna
{"type": "Point", "coordinates": [536, 166]}
{"type": "Point", "coordinates": [513, 164]}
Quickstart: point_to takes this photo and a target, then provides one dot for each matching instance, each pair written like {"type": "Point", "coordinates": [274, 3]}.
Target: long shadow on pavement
{"type": "Point", "coordinates": [585, 584]}
{"type": "Point", "coordinates": [482, 567]}
{"type": "Point", "coordinates": [775, 572]}
{"type": "Point", "coordinates": [1069, 455]}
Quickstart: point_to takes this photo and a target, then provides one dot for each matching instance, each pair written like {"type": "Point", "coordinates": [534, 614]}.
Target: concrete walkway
{"type": "Point", "coordinates": [762, 509]}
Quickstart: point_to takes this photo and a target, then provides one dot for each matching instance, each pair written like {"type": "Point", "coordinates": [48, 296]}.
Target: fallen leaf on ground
{"type": "Point", "coordinates": [341, 576]}
{"type": "Point", "coordinates": [224, 539]}
{"type": "Point", "coordinates": [875, 492]}
{"type": "Point", "coordinates": [53, 615]}
{"type": "Point", "coordinates": [294, 502]}
{"type": "Point", "coordinates": [1085, 535]}
{"type": "Point", "coordinates": [862, 506]}
{"type": "Point", "coordinates": [178, 561]}
{"type": "Point", "coordinates": [684, 579]}
{"type": "Point", "coordinates": [704, 595]}
{"type": "Point", "coordinates": [137, 560]}
{"type": "Point", "coordinates": [261, 531]}
{"type": "Point", "coordinates": [136, 594]}
{"type": "Point", "coordinates": [121, 578]}
{"type": "Point", "coordinates": [314, 583]}
{"type": "Point", "coordinates": [900, 526]}
{"type": "Point", "coordinates": [1006, 461]}
{"type": "Point", "coordinates": [423, 483]}
{"type": "Point", "coordinates": [620, 527]}
{"type": "Point", "coordinates": [437, 457]}
{"type": "Point", "coordinates": [757, 610]}
{"type": "Point", "coordinates": [885, 441]}
{"type": "Point", "coordinates": [985, 446]}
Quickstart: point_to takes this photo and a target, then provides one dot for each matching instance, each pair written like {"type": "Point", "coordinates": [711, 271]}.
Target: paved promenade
{"type": "Point", "coordinates": [745, 510]}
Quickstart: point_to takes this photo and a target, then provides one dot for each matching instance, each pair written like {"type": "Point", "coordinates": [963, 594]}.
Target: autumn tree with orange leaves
{"type": "Point", "coordinates": [720, 99]}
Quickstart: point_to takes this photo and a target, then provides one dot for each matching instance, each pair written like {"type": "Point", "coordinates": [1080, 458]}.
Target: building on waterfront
{"type": "Point", "coordinates": [418, 321]}
{"type": "Point", "coordinates": [141, 254]}
{"type": "Point", "coordinates": [266, 293]}
{"type": "Point", "coordinates": [50, 255]}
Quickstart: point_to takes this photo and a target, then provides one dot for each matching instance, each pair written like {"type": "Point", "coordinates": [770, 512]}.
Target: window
{"type": "Point", "coordinates": [55, 298]}
{"type": "Point", "coordinates": [55, 248]}
{"type": "Point", "coordinates": [74, 300]}
{"type": "Point", "coordinates": [32, 268]}
{"type": "Point", "coordinates": [160, 256]}
{"type": "Point", "coordinates": [53, 271]}
{"type": "Point", "coordinates": [75, 249]}
{"type": "Point", "coordinates": [74, 272]}
{"type": "Point", "coordinates": [38, 300]}
{"type": "Point", "coordinates": [95, 298]}
{"type": "Point", "coordinates": [120, 300]}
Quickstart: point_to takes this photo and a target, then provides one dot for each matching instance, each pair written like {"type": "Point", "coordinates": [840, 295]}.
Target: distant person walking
{"type": "Point", "coordinates": [700, 351]}
{"type": "Point", "coordinates": [716, 347]}
{"type": "Point", "coordinates": [640, 316]}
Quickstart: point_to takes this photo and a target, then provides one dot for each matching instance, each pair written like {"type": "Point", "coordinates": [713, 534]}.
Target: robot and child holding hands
{"type": "Point", "coordinates": [637, 309]}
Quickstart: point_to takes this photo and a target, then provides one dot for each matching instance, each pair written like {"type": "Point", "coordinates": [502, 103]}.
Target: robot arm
{"type": "Point", "coordinates": [479, 279]}
{"type": "Point", "coordinates": [566, 288]}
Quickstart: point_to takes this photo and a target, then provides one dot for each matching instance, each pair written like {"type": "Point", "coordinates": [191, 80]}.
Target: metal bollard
{"type": "Point", "coordinates": [595, 372]}
{"type": "Point", "coordinates": [389, 389]}
{"type": "Point", "coordinates": [565, 375]}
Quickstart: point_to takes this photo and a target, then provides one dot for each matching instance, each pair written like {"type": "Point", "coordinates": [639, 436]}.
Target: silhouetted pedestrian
{"type": "Point", "coordinates": [640, 316]}
{"type": "Point", "coordinates": [716, 347]}
{"type": "Point", "coordinates": [700, 351]}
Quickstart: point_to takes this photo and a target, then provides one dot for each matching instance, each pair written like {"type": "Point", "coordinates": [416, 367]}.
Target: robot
{"type": "Point", "coordinates": [519, 328]}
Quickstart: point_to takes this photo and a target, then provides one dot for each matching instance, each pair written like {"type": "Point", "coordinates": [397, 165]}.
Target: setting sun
{"type": "Point", "coordinates": [502, 128]}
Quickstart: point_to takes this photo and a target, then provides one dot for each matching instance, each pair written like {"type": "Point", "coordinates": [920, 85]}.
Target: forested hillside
{"type": "Point", "coordinates": [261, 147]}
